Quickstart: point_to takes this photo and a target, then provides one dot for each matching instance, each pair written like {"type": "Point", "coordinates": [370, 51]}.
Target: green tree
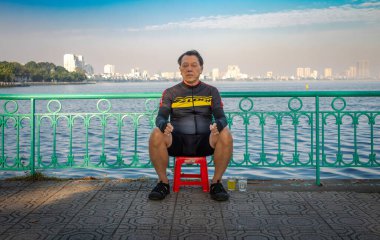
{"type": "Point", "coordinates": [38, 72]}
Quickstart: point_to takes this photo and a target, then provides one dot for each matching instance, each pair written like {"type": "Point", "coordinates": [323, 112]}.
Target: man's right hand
{"type": "Point", "coordinates": [169, 129]}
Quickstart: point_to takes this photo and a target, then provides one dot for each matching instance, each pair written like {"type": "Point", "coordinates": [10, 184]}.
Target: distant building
{"type": "Point", "coordinates": [362, 68]}
{"type": "Point", "coordinates": [178, 75]}
{"type": "Point", "coordinates": [72, 61]}
{"type": "Point", "coordinates": [314, 74]}
{"type": "Point", "coordinates": [168, 75]}
{"type": "Point", "coordinates": [88, 69]}
{"type": "Point", "coordinates": [233, 71]}
{"type": "Point", "coordinates": [109, 69]}
{"type": "Point", "coordinates": [215, 74]}
{"type": "Point", "coordinates": [351, 72]}
{"type": "Point", "coordinates": [300, 73]}
{"type": "Point", "coordinates": [327, 73]}
{"type": "Point", "coordinates": [307, 72]}
{"type": "Point", "coordinates": [270, 74]}
{"type": "Point", "coordinates": [135, 73]}
{"type": "Point", "coordinates": [145, 75]}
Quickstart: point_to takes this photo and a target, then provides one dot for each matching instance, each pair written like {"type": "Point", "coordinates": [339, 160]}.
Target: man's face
{"type": "Point", "coordinates": [190, 69]}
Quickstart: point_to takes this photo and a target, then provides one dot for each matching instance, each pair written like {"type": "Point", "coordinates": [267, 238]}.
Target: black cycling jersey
{"type": "Point", "coordinates": [191, 109]}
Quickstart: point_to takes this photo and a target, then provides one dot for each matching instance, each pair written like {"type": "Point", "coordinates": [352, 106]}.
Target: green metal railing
{"type": "Point", "coordinates": [310, 129]}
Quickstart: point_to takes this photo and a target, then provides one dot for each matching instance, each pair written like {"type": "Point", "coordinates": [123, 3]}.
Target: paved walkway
{"type": "Point", "coordinates": [119, 209]}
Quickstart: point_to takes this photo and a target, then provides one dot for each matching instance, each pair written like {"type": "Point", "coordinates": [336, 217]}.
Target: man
{"type": "Point", "coordinates": [190, 105]}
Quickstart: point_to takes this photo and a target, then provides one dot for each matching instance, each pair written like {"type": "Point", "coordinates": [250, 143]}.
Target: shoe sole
{"type": "Point", "coordinates": [221, 199]}
{"type": "Point", "coordinates": [156, 197]}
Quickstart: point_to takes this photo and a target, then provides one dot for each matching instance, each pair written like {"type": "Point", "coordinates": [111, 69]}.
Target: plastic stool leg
{"type": "Point", "coordinates": [177, 175]}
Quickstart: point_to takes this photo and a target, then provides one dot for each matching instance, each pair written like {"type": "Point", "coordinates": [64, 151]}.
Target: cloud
{"type": "Point", "coordinates": [370, 4]}
{"type": "Point", "coordinates": [364, 13]}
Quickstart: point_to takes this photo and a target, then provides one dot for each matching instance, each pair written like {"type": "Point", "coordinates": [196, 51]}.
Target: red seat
{"type": "Point", "coordinates": [202, 177]}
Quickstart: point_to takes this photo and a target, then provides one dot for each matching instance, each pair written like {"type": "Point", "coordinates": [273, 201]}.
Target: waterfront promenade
{"type": "Point", "coordinates": [119, 209]}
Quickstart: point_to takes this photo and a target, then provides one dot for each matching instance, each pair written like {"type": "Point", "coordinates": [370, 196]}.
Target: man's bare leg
{"type": "Point", "coordinates": [223, 144]}
{"type": "Point", "coordinates": [158, 153]}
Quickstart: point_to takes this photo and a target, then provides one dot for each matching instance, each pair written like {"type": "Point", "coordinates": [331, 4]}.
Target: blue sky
{"type": "Point", "coordinates": [258, 36]}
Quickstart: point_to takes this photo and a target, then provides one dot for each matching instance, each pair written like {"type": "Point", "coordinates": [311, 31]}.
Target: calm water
{"type": "Point", "coordinates": [259, 104]}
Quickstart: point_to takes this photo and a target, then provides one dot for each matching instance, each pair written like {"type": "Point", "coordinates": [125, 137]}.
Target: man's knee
{"type": "Point", "coordinates": [156, 137]}
{"type": "Point", "coordinates": [225, 137]}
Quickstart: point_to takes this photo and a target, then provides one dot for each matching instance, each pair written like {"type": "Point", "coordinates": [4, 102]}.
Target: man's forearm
{"type": "Point", "coordinates": [220, 118]}
{"type": "Point", "coordinates": [162, 118]}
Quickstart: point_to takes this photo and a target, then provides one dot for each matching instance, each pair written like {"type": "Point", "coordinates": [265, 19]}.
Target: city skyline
{"type": "Point", "coordinates": [277, 36]}
{"type": "Point", "coordinates": [360, 70]}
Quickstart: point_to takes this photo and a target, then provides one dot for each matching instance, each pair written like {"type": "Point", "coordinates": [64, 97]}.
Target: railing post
{"type": "Point", "coordinates": [317, 170]}
{"type": "Point", "coordinates": [32, 135]}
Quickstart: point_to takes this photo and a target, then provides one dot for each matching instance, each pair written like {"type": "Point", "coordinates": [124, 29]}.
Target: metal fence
{"type": "Point", "coordinates": [270, 129]}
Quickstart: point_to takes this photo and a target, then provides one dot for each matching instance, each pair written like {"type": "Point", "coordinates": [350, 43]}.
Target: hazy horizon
{"type": "Point", "coordinates": [273, 36]}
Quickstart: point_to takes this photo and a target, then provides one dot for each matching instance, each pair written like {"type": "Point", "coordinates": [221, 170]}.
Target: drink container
{"type": "Point", "coordinates": [231, 184]}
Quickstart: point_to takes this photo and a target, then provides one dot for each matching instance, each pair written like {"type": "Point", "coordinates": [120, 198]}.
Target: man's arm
{"type": "Point", "coordinates": [220, 118]}
{"type": "Point", "coordinates": [217, 110]}
{"type": "Point", "coordinates": [162, 118]}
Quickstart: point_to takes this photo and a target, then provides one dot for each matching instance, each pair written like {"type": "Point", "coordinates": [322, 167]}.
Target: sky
{"type": "Point", "coordinates": [258, 36]}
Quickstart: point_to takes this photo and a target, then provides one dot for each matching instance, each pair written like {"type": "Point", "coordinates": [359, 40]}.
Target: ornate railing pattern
{"type": "Point", "coordinates": [112, 130]}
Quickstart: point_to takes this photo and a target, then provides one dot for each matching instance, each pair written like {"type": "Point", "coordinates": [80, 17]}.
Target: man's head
{"type": "Point", "coordinates": [191, 53]}
{"type": "Point", "coordinates": [191, 66]}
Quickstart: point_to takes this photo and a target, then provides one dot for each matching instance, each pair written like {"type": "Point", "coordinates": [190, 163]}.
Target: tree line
{"type": "Point", "coordinates": [38, 72]}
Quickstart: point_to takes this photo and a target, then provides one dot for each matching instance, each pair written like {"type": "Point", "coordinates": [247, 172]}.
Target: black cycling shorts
{"type": "Point", "coordinates": [190, 145]}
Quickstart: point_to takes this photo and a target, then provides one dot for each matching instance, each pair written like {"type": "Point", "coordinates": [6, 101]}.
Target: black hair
{"type": "Point", "coordinates": [191, 53]}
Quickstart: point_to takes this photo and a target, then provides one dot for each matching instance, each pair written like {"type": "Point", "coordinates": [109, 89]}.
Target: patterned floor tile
{"type": "Point", "coordinates": [348, 223]}
{"type": "Point", "coordinates": [84, 234]}
{"type": "Point", "coordinates": [27, 234]}
{"type": "Point", "coordinates": [309, 233]}
{"type": "Point", "coordinates": [252, 235]}
{"type": "Point", "coordinates": [289, 207]}
{"type": "Point", "coordinates": [147, 220]}
{"type": "Point", "coordinates": [122, 185]}
{"type": "Point", "coordinates": [190, 233]}
{"type": "Point", "coordinates": [50, 224]}
{"type": "Point", "coordinates": [137, 234]}
{"type": "Point", "coordinates": [360, 236]}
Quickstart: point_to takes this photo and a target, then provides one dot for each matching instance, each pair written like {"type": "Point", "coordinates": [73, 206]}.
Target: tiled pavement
{"type": "Point", "coordinates": [119, 209]}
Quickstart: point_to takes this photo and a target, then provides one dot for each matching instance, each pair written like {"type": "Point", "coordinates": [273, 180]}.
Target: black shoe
{"type": "Point", "coordinates": [218, 192]}
{"type": "Point", "coordinates": [160, 191]}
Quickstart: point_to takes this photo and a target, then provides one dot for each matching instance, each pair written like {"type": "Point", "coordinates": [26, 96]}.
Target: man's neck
{"type": "Point", "coordinates": [192, 84]}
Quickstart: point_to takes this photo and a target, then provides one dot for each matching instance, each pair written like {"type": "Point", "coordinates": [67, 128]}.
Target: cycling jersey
{"type": "Point", "coordinates": [191, 109]}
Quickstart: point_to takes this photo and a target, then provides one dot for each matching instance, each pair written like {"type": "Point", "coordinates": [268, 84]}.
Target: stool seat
{"type": "Point", "coordinates": [201, 178]}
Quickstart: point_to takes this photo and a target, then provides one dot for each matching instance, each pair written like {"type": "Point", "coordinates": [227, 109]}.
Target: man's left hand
{"type": "Point", "coordinates": [214, 129]}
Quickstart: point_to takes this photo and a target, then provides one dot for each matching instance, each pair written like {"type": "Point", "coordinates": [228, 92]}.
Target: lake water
{"type": "Point", "coordinates": [261, 173]}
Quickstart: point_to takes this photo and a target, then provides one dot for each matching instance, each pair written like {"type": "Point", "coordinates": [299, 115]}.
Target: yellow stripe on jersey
{"type": "Point", "coordinates": [184, 102]}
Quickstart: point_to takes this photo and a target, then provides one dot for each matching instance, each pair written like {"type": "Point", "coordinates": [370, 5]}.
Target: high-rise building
{"type": "Point", "coordinates": [351, 72]}
{"type": "Point", "coordinates": [177, 75]}
{"type": "Point", "coordinates": [109, 69]}
{"type": "Point", "coordinates": [72, 61]}
{"type": "Point", "coordinates": [168, 75]}
{"type": "Point", "coordinates": [233, 72]}
{"type": "Point", "coordinates": [135, 73]}
{"type": "Point", "coordinates": [215, 74]}
{"type": "Point", "coordinates": [145, 75]}
{"type": "Point", "coordinates": [269, 74]}
{"type": "Point", "coordinates": [362, 68]}
{"type": "Point", "coordinates": [328, 73]}
{"type": "Point", "coordinates": [314, 74]}
{"type": "Point", "coordinates": [88, 69]}
{"type": "Point", "coordinates": [300, 73]}
{"type": "Point", "coordinates": [307, 72]}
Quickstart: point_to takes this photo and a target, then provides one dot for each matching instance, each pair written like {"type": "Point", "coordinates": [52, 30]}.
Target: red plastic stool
{"type": "Point", "coordinates": [203, 176]}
